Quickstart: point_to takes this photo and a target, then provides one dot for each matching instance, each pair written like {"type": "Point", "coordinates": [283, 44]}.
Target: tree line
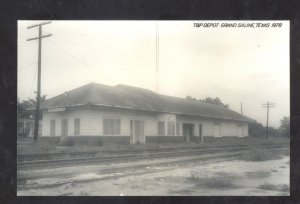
{"type": "Point", "coordinates": [215, 101]}
{"type": "Point", "coordinates": [258, 130]}
{"type": "Point", "coordinates": [255, 128]}
{"type": "Point", "coordinates": [23, 105]}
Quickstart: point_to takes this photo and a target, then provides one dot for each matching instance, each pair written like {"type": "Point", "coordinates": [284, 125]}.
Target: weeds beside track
{"type": "Point", "coordinates": [66, 159]}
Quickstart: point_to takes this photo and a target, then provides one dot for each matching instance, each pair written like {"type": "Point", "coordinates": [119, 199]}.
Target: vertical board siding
{"type": "Point", "coordinates": [91, 123]}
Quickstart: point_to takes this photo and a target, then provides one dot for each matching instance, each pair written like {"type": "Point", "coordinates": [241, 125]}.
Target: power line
{"type": "Point", "coordinates": [26, 66]}
{"type": "Point", "coordinates": [106, 54]}
{"type": "Point", "coordinates": [104, 41]}
{"type": "Point", "coordinates": [71, 55]}
{"type": "Point", "coordinates": [39, 38]}
{"type": "Point", "coordinates": [268, 105]}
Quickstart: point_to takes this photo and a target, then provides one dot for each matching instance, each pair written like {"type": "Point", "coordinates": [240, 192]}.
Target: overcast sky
{"type": "Point", "coordinates": [249, 65]}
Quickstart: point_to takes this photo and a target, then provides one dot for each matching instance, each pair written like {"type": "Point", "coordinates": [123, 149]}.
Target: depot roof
{"type": "Point", "coordinates": [124, 96]}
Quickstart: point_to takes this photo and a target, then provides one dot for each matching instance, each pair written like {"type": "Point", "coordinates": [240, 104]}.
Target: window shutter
{"type": "Point", "coordinates": [76, 126]}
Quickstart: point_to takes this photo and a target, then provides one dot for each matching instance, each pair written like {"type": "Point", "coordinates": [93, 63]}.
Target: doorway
{"type": "Point", "coordinates": [137, 132]}
{"type": "Point", "coordinates": [64, 130]}
{"type": "Point", "coordinates": [188, 132]}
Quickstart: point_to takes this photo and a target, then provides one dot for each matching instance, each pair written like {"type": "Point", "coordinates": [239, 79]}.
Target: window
{"type": "Point", "coordinates": [77, 126]}
{"type": "Point", "coordinates": [200, 130]}
{"type": "Point", "coordinates": [52, 127]}
{"type": "Point", "coordinates": [161, 128]}
{"type": "Point", "coordinates": [171, 128]}
{"type": "Point", "coordinates": [111, 126]}
{"type": "Point", "coordinates": [177, 129]}
{"type": "Point", "coordinates": [106, 127]}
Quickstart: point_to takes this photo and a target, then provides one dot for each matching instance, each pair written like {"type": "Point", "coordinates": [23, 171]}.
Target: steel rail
{"type": "Point", "coordinates": [52, 156]}
{"type": "Point", "coordinates": [142, 155]}
{"type": "Point", "coordinates": [109, 171]}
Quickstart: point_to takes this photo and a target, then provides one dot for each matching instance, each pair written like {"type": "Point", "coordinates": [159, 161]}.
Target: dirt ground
{"type": "Point", "coordinates": [214, 177]}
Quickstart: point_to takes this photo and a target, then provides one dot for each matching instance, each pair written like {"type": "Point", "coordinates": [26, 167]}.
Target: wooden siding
{"type": "Point", "coordinates": [91, 122]}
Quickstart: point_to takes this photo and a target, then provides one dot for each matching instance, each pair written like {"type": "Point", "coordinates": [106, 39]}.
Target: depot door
{"type": "Point", "coordinates": [137, 132]}
{"type": "Point", "coordinates": [188, 132]}
{"type": "Point", "coordinates": [64, 130]}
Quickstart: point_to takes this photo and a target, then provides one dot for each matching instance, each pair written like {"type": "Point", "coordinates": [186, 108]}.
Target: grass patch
{"type": "Point", "coordinates": [272, 187]}
{"type": "Point", "coordinates": [216, 182]}
{"type": "Point", "coordinates": [258, 174]}
{"type": "Point", "coordinates": [259, 154]}
{"type": "Point", "coordinates": [221, 181]}
{"type": "Point", "coordinates": [37, 148]}
{"type": "Point", "coordinates": [229, 141]}
{"type": "Point", "coordinates": [27, 146]}
{"type": "Point", "coordinates": [68, 142]}
{"type": "Point", "coordinates": [284, 151]}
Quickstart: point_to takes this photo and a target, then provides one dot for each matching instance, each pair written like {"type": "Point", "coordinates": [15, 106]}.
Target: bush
{"type": "Point", "coordinates": [285, 151]}
{"type": "Point", "coordinates": [68, 142]}
{"type": "Point", "coordinates": [36, 148]}
{"type": "Point", "coordinates": [99, 142]}
{"type": "Point", "coordinates": [83, 142]}
{"type": "Point", "coordinates": [216, 182]}
{"type": "Point", "coordinates": [224, 181]}
{"type": "Point", "coordinates": [272, 187]}
{"type": "Point", "coordinates": [260, 155]}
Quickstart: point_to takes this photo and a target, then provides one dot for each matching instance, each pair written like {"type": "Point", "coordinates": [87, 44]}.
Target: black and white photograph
{"type": "Point", "coordinates": [153, 108]}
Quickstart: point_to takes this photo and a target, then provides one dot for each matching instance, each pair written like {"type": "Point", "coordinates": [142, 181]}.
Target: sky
{"type": "Point", "coordinates": [248, 65]}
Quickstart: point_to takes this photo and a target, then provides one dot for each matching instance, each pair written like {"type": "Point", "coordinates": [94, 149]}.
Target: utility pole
{"type": "Point", "coordinates": [241, 108]}
{"type": "Point", "coordinates": [38, 100]}
{"type": "Point", "coordinates": [157, 56]}
{"type": "Point", "coordinates": [268, 106]}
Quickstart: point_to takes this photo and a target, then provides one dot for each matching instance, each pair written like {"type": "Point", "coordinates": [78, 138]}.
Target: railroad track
{"type": "Point", "coordinates": [62, 155]}
{"type": "Point", "coordinates": [119, 172]}
{"type": "Point", "coordinates": [127, 155]}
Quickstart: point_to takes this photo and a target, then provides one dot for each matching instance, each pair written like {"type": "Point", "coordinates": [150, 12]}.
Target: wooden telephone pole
{"type": "Point", "coordinates": [38, 100]}
{"type": "Point", "coordinates": [268, 106]}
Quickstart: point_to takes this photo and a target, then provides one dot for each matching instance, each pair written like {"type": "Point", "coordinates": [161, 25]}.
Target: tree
{"type": "Point", "coordinates": [215, 101]}
{"type": "Point", "coordinates": [191, 98]}
{"type": "Point", "coordinates": [256, 129]}
{"type": "Point", "coordinates": [23, 105]}
{"type": "Point", "coordinates": [285, 126]}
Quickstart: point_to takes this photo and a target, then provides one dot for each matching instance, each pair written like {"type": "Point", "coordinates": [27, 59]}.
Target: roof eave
{"type": "Point", "coordinates": [140, 109]}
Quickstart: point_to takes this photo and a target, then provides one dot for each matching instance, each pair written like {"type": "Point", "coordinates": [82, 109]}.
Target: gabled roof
{"type": "Point", "coordinates": [138, 98]}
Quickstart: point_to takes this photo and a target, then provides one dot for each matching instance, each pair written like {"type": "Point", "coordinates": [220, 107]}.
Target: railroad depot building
{"type": "Point", "coordinates": [125, 114]}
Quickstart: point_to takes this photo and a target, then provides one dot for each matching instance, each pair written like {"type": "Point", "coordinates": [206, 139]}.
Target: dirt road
{"type": "Point", "coordinates": [227, 176]}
